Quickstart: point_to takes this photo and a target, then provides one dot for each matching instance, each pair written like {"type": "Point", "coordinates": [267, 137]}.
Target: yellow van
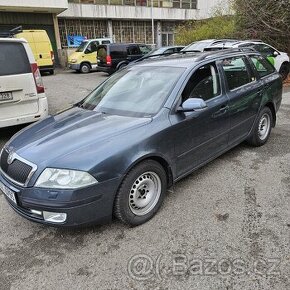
{"type": "Point", "coordinates": [41, 47]}
{"type": "Point", "coordinates": [84, 59]}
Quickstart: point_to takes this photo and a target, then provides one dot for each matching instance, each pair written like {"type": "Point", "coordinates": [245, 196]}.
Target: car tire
{"type": "Point", "coordinates": [122, 66]}
{"type": "Point", "coordinates": [284, 71]}
{"type": "Point", "coordinates": [141, 193]}
{"type": "Point", "coordinates": [85, 68]}
{"type": "Point", "coordinates": [262, 128]}
{"type": "Point", "coordinates": [51, 71]}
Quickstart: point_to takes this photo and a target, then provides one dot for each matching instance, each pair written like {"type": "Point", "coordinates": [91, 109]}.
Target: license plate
{"type": "Point", "coordinates": [6, 97]}
{"type": "Point", "coordinates": [8, 192]}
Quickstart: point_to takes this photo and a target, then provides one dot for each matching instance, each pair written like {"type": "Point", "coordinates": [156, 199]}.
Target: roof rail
{"type": "Point", "coordinates": [155, 55]}
{"type": "Point", "coordinates": [200, 55]}
{"type": "Point", "coordinates": [256, 40]}
{"type": "Point", "coordinates": [224, 51]}
{"type": "Point", "coordinates": [12, 32]}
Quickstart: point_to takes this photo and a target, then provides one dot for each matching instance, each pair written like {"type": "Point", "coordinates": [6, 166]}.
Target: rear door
{"type": "Point", "coordinates": [43, 48]}
{"type": "Point", "coordinates": [245, 93]}
{"type": "Point", "coordinates": [102, 55]}
{"type": "Point", "coordinates": [18, 95]}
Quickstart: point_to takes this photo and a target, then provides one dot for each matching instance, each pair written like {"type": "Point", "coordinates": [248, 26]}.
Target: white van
{"type": "Point", "coordinates": [22, 96]}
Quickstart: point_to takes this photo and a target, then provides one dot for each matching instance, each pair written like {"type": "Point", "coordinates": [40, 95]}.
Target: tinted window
{"type": "Point", "coordinates": [204, 84]}
{"type": "Point", "coordinates": [133, 50]}
{"type": "Point", "coordinates": [236, 72]}
{"type": "Point", "coordinates": [262, 66]}
{"type": "Point", "coordinates": [13, 59]}
{"type": "Point", "coordinates": [118, 51]}
{"type": "Point", "coordinates": [106, 41]}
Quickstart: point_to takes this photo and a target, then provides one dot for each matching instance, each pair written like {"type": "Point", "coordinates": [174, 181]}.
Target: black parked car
{"type": "Point", "coordinates": [116, 152]}
{"type": "Point", "coordinates": [115, 56]}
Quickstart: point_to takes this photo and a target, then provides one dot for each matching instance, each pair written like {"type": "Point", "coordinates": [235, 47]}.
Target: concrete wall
{"type": "Point", "coordinates": [53, 6]}
{"type": "Point", "coordinates": [205, 9]}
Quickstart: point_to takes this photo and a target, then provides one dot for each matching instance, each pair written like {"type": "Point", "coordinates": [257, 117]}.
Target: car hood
{"type": "Point", "coordinates": [70, 132]}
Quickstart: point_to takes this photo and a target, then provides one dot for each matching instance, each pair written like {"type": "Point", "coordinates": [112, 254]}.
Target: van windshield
{"type": "Point", "coordinates": [81, 48]}
{"type": "Point", "coordinates": [138, 91]}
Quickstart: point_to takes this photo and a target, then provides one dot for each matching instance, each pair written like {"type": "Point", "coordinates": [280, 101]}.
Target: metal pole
{"type": "Point", "coordinates": [152, 20]}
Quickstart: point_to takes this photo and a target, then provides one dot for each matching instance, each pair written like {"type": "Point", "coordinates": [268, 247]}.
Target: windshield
{"type": "Point", "coordinates": [136, 91]}
{"type": "Point", "coordinates": [197, 46]}
{"type": "Point", "coordinates": [82, 46]}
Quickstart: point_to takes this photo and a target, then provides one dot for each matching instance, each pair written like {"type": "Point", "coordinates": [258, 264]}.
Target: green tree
{"type": "Point", "coordinates": [216, 27]}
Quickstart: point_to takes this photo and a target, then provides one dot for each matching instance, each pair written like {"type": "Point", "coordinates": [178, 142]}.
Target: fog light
{"type": "Point", "coordinates": [54, 217]}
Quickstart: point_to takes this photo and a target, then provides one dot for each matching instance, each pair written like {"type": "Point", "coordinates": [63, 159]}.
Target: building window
{"type": "Point", "coordinates": [88, 28]}
{"type": "Point", "coordinates": [129, 2]}
{"type": "Point", "coordinates": [142, 2]}
{"type": "Point", "coordinates": [102, 2]}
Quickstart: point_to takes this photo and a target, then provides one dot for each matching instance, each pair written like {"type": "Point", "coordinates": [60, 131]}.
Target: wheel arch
{"type": "Point", "coordinates": [86, 62]}
{"type": "Point", "coordinates": [271, 106]}
{"type": "Point", "coordinates": [121, 63]}
{"type": "Point", "coordinates": [158, 158]}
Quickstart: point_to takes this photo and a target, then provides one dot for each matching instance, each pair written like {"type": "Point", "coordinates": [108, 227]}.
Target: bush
{"type": "Point", "coordinates": [217, 27]}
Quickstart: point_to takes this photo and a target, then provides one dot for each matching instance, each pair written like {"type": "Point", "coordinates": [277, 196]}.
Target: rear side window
{"type": "Point", "coordinates": [106, 41]}
{"type": "Point", "coordinates": [263, 67]}
{"type": "Point", "coordinates": [13, 59]}
{"type": "Point", "coordinates": [133, 50]}
{"type": "Point", "coordinates": [118, 51]}
{"type": "Point", "coordinates": [236, 72]}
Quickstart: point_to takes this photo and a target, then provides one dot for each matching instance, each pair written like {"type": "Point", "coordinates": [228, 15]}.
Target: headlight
{"type": "Point", "coordinates": [64, 179]}
{"type": "Point", "coordinates": [73, 60]}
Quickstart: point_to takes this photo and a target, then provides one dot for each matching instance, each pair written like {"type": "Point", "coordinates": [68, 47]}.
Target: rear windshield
{"type": "Point", "coordinates": [13, 59]}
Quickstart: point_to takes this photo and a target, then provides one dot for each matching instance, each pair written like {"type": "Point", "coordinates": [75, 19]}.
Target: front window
{"type": "Point", "coordinates": [136, 91]}
{"type": "Point", "coordinates": [82, 46]}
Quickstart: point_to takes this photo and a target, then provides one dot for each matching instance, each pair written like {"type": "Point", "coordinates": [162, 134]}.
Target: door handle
{"type": "Point", "coordinates": [220, 112]}
{"type": "Point", "coordinates": [223, 108]}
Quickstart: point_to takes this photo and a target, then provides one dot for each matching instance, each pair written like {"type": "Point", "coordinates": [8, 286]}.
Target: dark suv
{"type": "Point", "coordinates": [112, 57]}
{"type": "Point", "coordinates": [116, 152]}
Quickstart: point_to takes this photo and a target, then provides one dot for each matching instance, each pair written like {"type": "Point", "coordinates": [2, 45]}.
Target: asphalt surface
{"type": "Point", "coordinates": [224, 227]}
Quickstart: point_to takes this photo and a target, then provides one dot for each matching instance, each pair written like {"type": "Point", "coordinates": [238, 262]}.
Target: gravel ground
{"type": "Point", "coordinates": [224, 227]}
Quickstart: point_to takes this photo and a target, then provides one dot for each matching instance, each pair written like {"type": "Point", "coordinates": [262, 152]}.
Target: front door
{"type": "Point", "coordinates": [201, 135]}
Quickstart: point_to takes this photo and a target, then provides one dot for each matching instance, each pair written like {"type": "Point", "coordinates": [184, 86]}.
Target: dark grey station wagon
{"type": "Point", "coordinates": [116, 152]}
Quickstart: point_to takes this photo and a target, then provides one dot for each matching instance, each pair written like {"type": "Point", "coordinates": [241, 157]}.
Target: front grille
{"type": "Point", "coordinates": [17, 170]}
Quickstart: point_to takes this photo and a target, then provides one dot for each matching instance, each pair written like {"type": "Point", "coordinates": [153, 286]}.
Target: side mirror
{"type": "Point", "coordinates": [193, 104]}
{"type": "Point", "coordinates": [276, 53]}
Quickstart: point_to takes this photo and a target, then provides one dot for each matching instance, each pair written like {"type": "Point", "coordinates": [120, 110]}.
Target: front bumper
{"type": "Point", "coordinates": [74, 66]}
{"type": "Point", "coordinates": [91, 205]}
